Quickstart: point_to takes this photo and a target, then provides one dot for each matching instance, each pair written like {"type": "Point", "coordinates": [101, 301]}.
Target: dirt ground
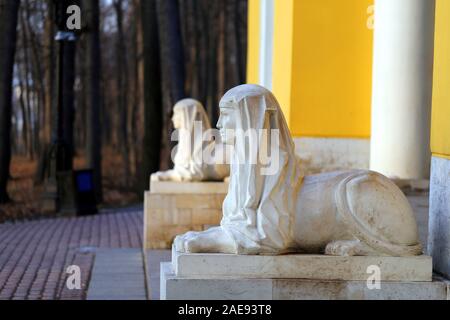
{"type": "Point", "coordinates": [117, 191]}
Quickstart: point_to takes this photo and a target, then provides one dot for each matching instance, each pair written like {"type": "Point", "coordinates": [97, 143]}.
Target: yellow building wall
{"type": "Point", "coordinates": [283, 54]}
{"type": "Point", "coordinates": [254, 40]}
{"type": "Point", "coordinates": [440, 132]}
{"type": "Point", "coordinates": [322, 65]}
{"type": "Point", "coordinates": [332, 69]}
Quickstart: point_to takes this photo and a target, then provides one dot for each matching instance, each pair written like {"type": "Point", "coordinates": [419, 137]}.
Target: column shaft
{"type": "Point", "coordinates": [402, 88]}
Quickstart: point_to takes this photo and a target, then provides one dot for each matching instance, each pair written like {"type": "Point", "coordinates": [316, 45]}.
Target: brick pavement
{"type": "Point", "coordinates": [34, 255]}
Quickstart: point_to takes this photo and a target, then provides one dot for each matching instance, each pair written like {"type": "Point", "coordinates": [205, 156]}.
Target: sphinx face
{"type": "Point", "coordinates": [227, 124]}
{"type": "Point", "coordinates": [177, 119]}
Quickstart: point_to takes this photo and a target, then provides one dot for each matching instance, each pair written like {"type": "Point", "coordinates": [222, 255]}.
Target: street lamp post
{"type": "Point", "coordinates": [58, 194]}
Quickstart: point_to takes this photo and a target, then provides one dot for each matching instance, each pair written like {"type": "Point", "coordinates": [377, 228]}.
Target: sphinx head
{"type": "Point", "coordinates": [246, 107]}
{"type": "Point", "coordinates": [177, 118]}
{"type": "Point", "coordinates": [186, 112]}
{"type": "Point", "coordinates": [227, 122]}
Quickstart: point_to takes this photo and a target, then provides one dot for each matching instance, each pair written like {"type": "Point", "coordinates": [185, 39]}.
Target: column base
{"type": "Point", "coordinates": [439, 226]}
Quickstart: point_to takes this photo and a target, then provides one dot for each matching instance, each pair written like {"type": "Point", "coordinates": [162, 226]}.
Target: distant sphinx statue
{"type": "Point", "coordinates": [189, 164]}
{"type": "Point", "coordinates": [351, 213]}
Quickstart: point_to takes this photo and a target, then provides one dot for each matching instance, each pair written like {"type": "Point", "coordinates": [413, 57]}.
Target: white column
{"type": "Point", "coordinates": [266, 47]}
{"type": "Point", "coordinates": [402, 88]}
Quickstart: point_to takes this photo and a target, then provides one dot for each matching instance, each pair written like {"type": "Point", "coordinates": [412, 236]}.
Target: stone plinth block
{"type": "Point", "coordinates": [439, 229]}
{"type": "Point", "coordinates": [318, 267]}
{"type": "Point", "coordinates": [174, 208]}
{"type": "Point", "coordinates": [230, 288]}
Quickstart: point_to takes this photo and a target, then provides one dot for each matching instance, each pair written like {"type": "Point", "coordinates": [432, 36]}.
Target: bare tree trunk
{"type": "Point", "coordinates": [173, 75]}
{"type": "Point", "coordinates": [241, 13]}
{"type": "Point", "coordinates": [49, 74]}
{"type": "Point", "coordinates": [23, 109]}
{"type": "Point", "coordinates": [202, 44]}
{"type": "Point", "coordinates": [221, 55]}
{"type": "Point", "coordinates": [15, 137]}
{"type": "Point", "coordinates": [93, 88]}
{"type": "Point", "coordinates": [68, 82]}
{"type": "Point", "coordinates": [122, 87]}
{"type": "Point", "coordinates": [138, 70]}
{"type": "Point", "coordinates": [8, 30]}
{"type": "Point", "coordinates": [36, 73]}
{"type": "Point", "coordinates": [81, 92]}
{"type": "Point", "coordinates": [232, 44]}
{"type": "Point", "coordinates": [28, 125]}
{"type": "Point", "coordinates": [215, 42]}
{"type": "Point", "coordinates": [172, 47]}
{"type": "Point", "coordinates": [193, 50]}
{"type": "Point", "coordinates": [24, 105]}
{"type": "Point", "coordinates": [48, 56]}
{"type": "Point", "coordinates": [152, 92]}
{"type": "Point", "coordinates": [211, 103]}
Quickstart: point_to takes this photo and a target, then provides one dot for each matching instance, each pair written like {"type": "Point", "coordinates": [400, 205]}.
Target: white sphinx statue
{"type": "Point", "coordinates": [189, 164]}
{"type": "Point", "coordinates": [353, 213]}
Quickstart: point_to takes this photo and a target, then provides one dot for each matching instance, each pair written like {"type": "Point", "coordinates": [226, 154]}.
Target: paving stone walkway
{"type": "Point", "coordinates": [118, 274]}
{"type": "Point", "coordinates": [34, 256]}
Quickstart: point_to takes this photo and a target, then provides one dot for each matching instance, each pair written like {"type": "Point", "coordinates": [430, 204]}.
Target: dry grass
{"type": "Point", "coordinates": [26, 196]}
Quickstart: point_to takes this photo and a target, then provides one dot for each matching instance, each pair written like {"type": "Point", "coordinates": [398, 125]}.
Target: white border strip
{"type": "Point", "coordinates": [266, 46]}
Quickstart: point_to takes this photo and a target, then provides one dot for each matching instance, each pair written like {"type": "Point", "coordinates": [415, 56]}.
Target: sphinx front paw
{"type": "Point", "coordinates": [214, 240]}
{"type": "Point", "coordinates": [341, 248]}
{"type": "Point", "coordinates": [178, 244]}
{"type": "Point", "coordinates": [184, 243]}
{"type": "Point", "coordinates": [155, 177]}
{"type": "Point", "coordinates": [349, 248]}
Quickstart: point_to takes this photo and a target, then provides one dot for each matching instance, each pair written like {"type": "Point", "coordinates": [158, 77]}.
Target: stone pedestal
{"type": "Point", "coordinates": [297, 266]}
{"type": "Point", "coordinates": [178, 288]}
{"type": "Point", "coordinates": [439, 229]}
{"type": "Point", "coordinates": [298, 277]}
{"type": "Point", "coordinates": [173, 208]}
